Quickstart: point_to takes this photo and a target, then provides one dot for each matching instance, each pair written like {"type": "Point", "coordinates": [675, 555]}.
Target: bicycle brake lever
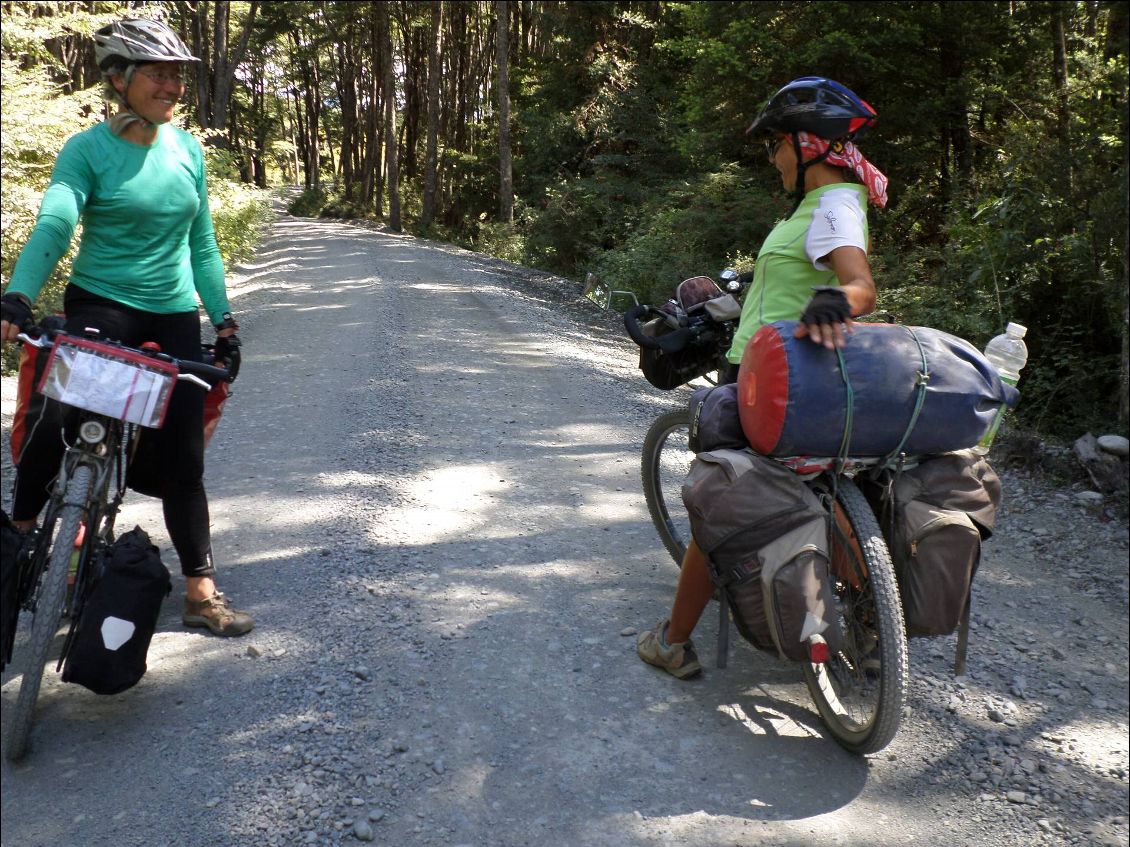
{"type": "Point", "coordinates": [195, 380]}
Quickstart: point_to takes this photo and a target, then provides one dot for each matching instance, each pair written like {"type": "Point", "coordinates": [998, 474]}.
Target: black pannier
{"type": "Point", "coordinates": [11, 550]}
{"type": "Point", "coordinates": [108, 648]}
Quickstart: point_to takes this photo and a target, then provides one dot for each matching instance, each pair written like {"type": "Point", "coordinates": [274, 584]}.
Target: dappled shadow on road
{"type": "Point", "coordinates": [430, 501]}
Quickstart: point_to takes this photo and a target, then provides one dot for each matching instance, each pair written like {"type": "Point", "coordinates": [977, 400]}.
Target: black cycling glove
{"type": "Point", "coordinates": [15, 309]}
{"type": "Point", "coordinates": [829, 305]}
{"type": "Point", "coordinates": [227, 353]}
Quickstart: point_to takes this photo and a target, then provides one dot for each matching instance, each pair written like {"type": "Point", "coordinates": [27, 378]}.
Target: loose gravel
{"type": "Point", "coordinates": [426, 490]}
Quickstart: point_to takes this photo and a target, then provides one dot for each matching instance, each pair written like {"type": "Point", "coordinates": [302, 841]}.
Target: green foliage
{"type": "Point", "coordinates": [502, 239]}
{"type": "Point", "coordinates": [35, 121]}
{"type": "Point", "coordinates": [691, 228]}
{"type": "Point", "coordinates": [1005, 147]}
{"type": "Point", "coordinates": [339, 206]}
{"type": "Point", "coordinates": [309, 203]}
{"type": "Point", "coordinates": [239, 214]}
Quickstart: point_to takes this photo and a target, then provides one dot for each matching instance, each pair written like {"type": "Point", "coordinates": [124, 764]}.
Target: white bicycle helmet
{"type": "Point", "coordinates": [136, 41]}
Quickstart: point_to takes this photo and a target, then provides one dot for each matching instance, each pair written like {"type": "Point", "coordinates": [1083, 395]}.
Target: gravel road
{"type": "Point", "coordinates": [426, 490]}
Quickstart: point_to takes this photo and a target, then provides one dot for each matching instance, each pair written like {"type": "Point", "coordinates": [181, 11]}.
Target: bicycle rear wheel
{"type": "Point", "coordinates": [49, 602]}
{"type": "Point", "coordinates": [861, 690]}
{"type": "Point", "coordinates": [664, 465]}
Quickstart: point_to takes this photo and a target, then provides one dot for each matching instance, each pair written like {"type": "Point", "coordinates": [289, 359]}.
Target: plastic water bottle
{"type": "Point", "coordinates": [1008, 354]}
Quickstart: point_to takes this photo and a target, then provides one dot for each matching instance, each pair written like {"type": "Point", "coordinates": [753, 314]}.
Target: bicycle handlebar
{"type": "Point", "coordinates": [197, 373]}
{"type": "Point", "coordinates": [671, 342]}
{"type": "Point", "coordinates": [632, 324]}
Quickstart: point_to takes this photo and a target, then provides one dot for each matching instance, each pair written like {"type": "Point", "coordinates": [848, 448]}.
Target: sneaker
{"type": "Point", "coordinates": [216, 613]}
{"type": "Point", "coordinates": [679, 659]}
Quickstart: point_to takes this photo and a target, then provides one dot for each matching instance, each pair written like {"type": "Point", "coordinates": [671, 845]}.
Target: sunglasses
{"type": "Point", "coordinates": [160, 77]}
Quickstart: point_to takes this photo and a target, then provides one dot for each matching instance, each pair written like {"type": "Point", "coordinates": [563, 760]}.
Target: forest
{"type": "Point", "coordinates": [609, 137]}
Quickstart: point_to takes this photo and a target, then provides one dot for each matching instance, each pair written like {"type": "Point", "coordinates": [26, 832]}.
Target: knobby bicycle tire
{"type": "Point", "coordinates": [48, 611]}
{"type": "Point", "coordinates": [664, 464]}
{"type": "Point", "coordinates": [860, 692]}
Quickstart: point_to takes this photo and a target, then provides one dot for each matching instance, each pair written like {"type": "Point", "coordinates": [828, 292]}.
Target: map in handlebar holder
{"type": "Point", "coordinates": [109, 380]}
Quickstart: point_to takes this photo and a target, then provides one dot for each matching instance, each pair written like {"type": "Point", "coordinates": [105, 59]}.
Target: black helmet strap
{"type": "Point", "coordinates": [802, 166]}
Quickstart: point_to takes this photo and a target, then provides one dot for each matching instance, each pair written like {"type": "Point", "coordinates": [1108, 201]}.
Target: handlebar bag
{"type": "Point", "coordinates": [766, 537]}
{"type": "Point", "coordinates": [667, 371]}
{"type": "Point", "coordinates": [697, 300]}
{"type": "Point", "coordinates": [891, 389]}
{"type": "Point", "coordinates": [107, 648]}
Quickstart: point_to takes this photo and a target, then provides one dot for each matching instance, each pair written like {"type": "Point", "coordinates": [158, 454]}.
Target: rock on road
{"type": "Point", "coordinates": [425, 488]}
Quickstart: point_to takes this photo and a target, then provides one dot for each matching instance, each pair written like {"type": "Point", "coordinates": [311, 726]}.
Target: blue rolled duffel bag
{"type": "Point", "coordinates": [891, 389]}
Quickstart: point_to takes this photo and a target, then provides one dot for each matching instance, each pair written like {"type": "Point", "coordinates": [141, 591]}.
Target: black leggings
{"type": "Point", "coordinates": [179, 443]}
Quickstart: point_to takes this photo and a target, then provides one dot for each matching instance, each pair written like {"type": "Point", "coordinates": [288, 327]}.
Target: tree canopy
{"type": "Point", "coordinates": [609, 137]}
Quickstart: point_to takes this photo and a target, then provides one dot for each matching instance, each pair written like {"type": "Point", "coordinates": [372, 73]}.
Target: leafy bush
{"type": "Point", "coordinates": [239, 213]}
{"type": "Point", "coordinates": [337, 206]}
{"type": "Point", "coordinates": [309, 203]}
{"type": "Point", "coordinates": [320, 202]}
{"type": "Point", "coordinates": [690, 228]}
{"type": "Point", "coordinates": [501, 239]}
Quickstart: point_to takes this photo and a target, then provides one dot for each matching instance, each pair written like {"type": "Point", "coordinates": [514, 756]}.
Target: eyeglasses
{"type": "Point", "coordinates": [772, 146]}
{"type": "Point", "coordinates": [160, 77]}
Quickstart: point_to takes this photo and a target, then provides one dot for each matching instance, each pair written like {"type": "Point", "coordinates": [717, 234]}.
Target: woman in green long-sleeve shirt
{"type": "Point", "coordinates": [147, 254]}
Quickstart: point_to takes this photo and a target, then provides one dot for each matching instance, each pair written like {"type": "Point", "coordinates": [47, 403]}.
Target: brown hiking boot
{"type": "Point", "coordinates": [678, 659]}
{"type": "Point", "coordinates": [216, 613]}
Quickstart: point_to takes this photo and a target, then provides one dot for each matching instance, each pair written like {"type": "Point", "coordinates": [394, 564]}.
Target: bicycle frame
{"type": "Point", "coordinates": [860, 707]}
{"type": "Point", "coordinates": [89, 488]}
{"type": "Point", "coordinates": [108, 459]}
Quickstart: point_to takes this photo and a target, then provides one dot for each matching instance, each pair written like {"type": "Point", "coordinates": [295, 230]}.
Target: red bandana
{"type": "Point", "coordinates": [847, 155]}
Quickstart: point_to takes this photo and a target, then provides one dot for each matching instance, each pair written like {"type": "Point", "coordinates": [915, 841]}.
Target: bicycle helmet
{"type": "Point", "coordinates": [134, 41]}
{"type": "Point", "coordinates": [817, 105]}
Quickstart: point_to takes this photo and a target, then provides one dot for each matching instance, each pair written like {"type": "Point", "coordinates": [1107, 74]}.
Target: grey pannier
{"type": "Point", "coordinates": [766, 537]}
{"type": "Point", "coordinates": [942, 510]}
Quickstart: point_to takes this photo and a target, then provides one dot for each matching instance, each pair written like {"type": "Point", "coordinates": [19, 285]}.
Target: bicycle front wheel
{"type": "Point", "coordinates": [49, 602]}
{"type": "Point", "coordinates": [666, 460]}
{"type": "Point", "coordinates": [861, 690]}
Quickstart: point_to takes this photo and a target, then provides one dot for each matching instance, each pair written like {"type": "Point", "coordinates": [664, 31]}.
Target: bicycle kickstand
{"type": "Point", "coordinates": [962, 637]}
{"type": "Point", "coordinates": [723, 629]}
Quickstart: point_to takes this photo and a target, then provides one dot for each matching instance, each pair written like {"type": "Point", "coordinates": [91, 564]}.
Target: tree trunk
{"type": "Point", "coordinates": [225, 61]}
{"type": "Point", "coordinates": [463, 48]}
{"type": "Point", "coordinates": [957, 105]}
{"type": "Point", "coordinates": [388, 85]}
{"type": "Point", "coordinates": [505, 165]}
{"type": "Point", "coordinates": [347, 95]}
{"type": "Point", "coordinates": [414, 61]}
{"type": "Point", "coordinates": [1124, 384]}
{"type": "Point", "coordinates": [370, 194]}
{"type": "Point", "coordinates": [1059, 73]}
{"type": "Point", "coordinates": [431, 145]}
{"type": "Point", "coordinates": [198, 18]}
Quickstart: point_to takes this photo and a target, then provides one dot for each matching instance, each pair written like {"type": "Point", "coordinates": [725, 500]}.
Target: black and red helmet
{"type": "Point", "coordinates": [816, 105]}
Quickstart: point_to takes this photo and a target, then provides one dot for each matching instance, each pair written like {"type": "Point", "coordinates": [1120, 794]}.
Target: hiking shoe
{"type": "Point", "coordinates": [216, 613]}
{"type": "Point", "coordinates": [679, 659]}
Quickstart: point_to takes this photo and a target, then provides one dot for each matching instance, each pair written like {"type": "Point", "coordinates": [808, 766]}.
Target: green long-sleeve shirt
{"type": "Point", "coordinates": [147, 240]}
